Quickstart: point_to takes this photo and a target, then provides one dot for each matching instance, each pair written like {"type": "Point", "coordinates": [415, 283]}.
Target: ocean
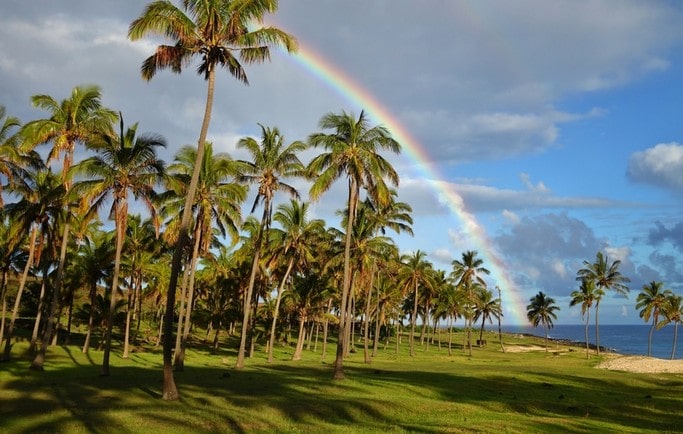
{"type": "Point", "coordinates": [624, 339]}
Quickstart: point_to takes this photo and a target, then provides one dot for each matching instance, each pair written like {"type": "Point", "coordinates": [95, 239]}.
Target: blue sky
{"type": "Point", "coordinates": [558, 122]}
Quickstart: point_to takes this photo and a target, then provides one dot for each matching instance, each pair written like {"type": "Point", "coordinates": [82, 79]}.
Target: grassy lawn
{"type": "Point", "coordinates": [432, 392]}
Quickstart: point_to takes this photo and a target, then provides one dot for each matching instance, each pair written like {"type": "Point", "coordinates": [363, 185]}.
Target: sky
{"type": "Point", "coordinates": [535, 132]}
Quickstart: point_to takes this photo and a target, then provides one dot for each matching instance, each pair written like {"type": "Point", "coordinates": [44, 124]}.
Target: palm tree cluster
{"type": "Point", "coordinates": [194, 258]}
{"type": "Point", "coordinates": [284, 277]}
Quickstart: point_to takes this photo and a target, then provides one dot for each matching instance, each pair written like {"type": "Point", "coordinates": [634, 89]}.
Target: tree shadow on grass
{"type": "Point", "coordinates": [288, 396]}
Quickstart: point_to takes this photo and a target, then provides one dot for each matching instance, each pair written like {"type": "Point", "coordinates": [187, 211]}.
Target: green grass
{"type": "Point", "coordinates": [432, 392]}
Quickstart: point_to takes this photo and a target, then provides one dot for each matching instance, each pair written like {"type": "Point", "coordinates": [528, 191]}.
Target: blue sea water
{"type": "Point", "coordinates": [623, 339]}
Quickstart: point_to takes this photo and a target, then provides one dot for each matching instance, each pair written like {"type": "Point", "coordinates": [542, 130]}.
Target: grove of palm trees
{"type": "Point", "coordinates": [165, 266]}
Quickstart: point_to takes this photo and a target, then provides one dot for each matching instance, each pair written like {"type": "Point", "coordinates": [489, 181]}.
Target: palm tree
{"type": "Point", "coordinates": [467, 273]}
{"type": "Point", "coordinates": [673, 313]}
{"type": "Point", "coordinates": [294, 243]}
{"type": "Point", "coordinates": [78, 119]}
{"type": "Point", "coordinates": [586, 295]}
{"type": "Point", "coordinates": [272, 162]}
{"type": "Point", "coordinates": [94, 261]}
{"type": "Point", "coordinates": [13, 160]}
{"type": "Point", "coordinates": [216, 31]}
{"type": "Point", "coordinates": [42, 195]}
{"type": "Point", "coordinates": [650, 301]}
{"type": "Point", "coordinates": [606, 277]}
{"type": "Point", "coordinates": [352, 150]}
{"type": "Point", "coordinates": [486, 307]}
{"type": "Point", "coordinates": [415, 272]}
{"type": "Point", "coordinates": [541, 310]}
{"type": "Point", "coordinates": [217, 202]}
{"type": "Point", "coordinates": [124, 165]}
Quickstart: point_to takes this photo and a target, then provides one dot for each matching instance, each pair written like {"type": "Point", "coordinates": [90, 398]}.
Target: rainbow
{"type": "Point", "coordinates": [351, 91]}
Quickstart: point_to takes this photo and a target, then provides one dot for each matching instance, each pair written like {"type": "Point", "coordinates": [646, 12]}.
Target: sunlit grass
{"type": "Point", "coordinates": [491, 391]}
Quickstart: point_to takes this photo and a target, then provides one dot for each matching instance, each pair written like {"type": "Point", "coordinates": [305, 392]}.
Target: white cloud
{"type": "Point", "coordinates": [661, 166]}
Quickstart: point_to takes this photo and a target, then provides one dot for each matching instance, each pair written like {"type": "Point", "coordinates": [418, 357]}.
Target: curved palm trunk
{"type": "Point", "coordinates": [39, 313]}
{"type": "Point", "coordinates": [652, 330]}
{"type": "Point", "coordinates": [186, 307]}
{"type": "Point", "coordinates": [346, 286]}
{"type": "Point", "coordinates": [300, 339]}
{"type": "Point", "coordinates": [250, 289]}
{"type": "Point", "coordinates": [121, 212]}
{"type": "Point", "coordinates": [39, 360]}
{"type": "Point", "coordinates": [273, 327]}
{"type": "Point", "coordinates": [169, 391]}
{"type": "Point", "coordinates": [20, 292]}
{"type": "Point", "coordinates": [673, 347]}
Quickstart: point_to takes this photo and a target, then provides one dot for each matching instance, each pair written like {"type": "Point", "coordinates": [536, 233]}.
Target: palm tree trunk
{"type": "Point", "coordinates": [20, 292]}
{"type": "Point", "coordinates": [300, 339]}
{"type": "Point", "coordinates": [588, 314]}
{"type": "Point", "coordinates": [673, 347]}
{"type": "Point", "coordinates": [93, 295]}
{"type": "Point", "coordinates": [126, 336]}
{"type": "Point", "coordinates": [3, 291]}
{"type": "Point", "coordinates": [366, 320]}
{"type": "Point", "coordinates": [597, 330]}
{"type": "Point", "coordinates": [413, 319]}
{"type": "Point", "coordinates": [649, 336]}
{"type": "Point", "coordinates": [170, 391]}
{"type": "Point", "coordinates": [450, 334]}
{"type": "Point", "coordinates": [181, 313]}
{"type": "Point", "coordinates": [179, 362]}
{"type": "Point", "coordinates": [325, 330]}
{"type": "Point", "coordinates": [39, 313]}
{"type": "Point", "coordinates": [273, 327]}
{"type": "Point", "coordinates": [38, 361]}
{"type": "Point", "coordinates": [545, 329]}
{"type": "Point", "coordinates": [121, 212]}
{"type": "Point", "coordinates": [346, 286]}
{"type": "Point", "coordinates": [250, 289]}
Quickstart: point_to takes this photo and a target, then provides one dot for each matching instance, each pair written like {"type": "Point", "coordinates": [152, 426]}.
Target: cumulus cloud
{"type": "Point", "coordinates": [661, 166]}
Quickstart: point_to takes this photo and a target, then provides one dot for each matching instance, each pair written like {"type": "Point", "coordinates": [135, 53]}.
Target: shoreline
{"type": "Point", "coordinates": [612, 360]}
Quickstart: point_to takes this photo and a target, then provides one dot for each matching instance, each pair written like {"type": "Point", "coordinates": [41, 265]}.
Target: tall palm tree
{"type": "Point", "coordinates": [586, 295]}
{"type": "Point", "coordinates": [124, 165]}
{"type": "Point", "coordinates": [273, 161]}
{"type": "Point", "coordinates": [673, 313]}
{"type": "Point", "coordinates": [467, 273]}
{"type": "Point", "coordinates": [650, 301]}
{"type": "Point", "coordinates": [42, 195]}
{"type": "Point", "coordinates": [79, 119]}
{"type": "Point", "coordinates": [352, 149]}
{"type": "Point", "coordinates": [415, 273]}
{"type": "Point", "coordinates": [221, 34]}
{"type": "Point", "coordinates": [541, 310]}
{"type": "Point", "coordinates": [294, 242]}
{"type": "Point", "coordinates": [606, 277]}
{"type": "Point", "coordinates": [217, 204]}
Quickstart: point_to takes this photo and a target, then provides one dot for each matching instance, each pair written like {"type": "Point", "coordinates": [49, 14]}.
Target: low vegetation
{"type": "Point", "coordinates": [492, 391]}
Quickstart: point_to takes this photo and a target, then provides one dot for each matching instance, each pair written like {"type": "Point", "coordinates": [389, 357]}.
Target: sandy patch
{"type": "Point", "coordinates": [525, 348]}
{"type": "Point", "coordinates": [642, 364]}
